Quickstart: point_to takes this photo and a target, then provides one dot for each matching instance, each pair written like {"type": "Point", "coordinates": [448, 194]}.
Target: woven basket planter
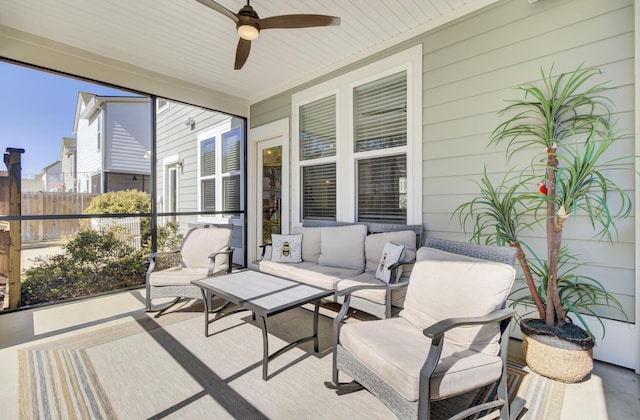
{"type": "Point", "coordinates": [557, 359]}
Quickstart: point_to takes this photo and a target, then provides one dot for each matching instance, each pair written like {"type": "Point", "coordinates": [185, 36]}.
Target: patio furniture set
{"type": "Point", "coordinates": [451, 330]}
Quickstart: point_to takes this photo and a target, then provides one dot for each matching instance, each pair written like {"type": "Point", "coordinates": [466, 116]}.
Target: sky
{"type": "Point", "coordinates": [37, 109]}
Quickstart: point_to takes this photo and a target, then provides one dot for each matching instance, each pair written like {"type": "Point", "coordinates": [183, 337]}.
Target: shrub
{"type": "Point", "coordinates": [119, 202]}
{"type": "Point", "coordinates": [92, 262]}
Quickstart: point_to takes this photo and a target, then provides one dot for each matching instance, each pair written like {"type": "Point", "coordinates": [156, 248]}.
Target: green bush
{"type": "Point", "coordinates": [124, 202]}
{"type": "Point", "coordinates": [92, 262]}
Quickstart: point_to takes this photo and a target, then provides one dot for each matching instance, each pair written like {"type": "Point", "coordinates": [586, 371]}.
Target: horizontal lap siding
{"type": "Point", "coordinates": [470, 69]}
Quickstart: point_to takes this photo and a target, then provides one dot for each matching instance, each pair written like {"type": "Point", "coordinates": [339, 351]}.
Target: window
{"type": "Point", "coordinates": [382, 189]}
{"type": "Point", "coordinates": [319, 192]}
{"type": "Point", "coordinates": [359, 144]}
{"type": "Point", "coordinates": [317, 145]}
{"type": "Point", "coordinates": [231, 170]}
{"type": "Point", "coordinates": [220, 165]}
{"type": "Point", "coordinates": [380, 123]}
{"type": "Point", "coordinates": [380, 113]}
{"type": "Point", "coordinates": [318, 129]}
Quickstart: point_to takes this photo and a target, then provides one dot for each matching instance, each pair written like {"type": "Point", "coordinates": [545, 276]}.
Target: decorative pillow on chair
{"type": "Point", "coordinates": [286, 248]}
{"type": "Point", "coordinates": [391, 254]}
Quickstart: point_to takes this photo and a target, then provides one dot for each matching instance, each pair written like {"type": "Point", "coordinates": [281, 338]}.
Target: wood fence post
{"type": "Point", "coordinates": [12, 159]}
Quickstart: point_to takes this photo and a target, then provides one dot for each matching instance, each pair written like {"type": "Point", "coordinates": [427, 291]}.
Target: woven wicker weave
{"type": "Point", "coordinates": [556, 359]}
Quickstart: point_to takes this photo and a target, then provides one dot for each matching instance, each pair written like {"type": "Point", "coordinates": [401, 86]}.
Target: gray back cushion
{"type": "Point", "coordinates": [343, 246]}
{"type": "Point", "coordinates": [450, 289]}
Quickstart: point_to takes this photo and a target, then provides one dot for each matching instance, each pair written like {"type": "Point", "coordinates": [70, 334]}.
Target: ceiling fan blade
{"type": "Point", "coordinates": [219, 8]}
{"type": "Point", "coordinates": [297, 21]}
{"type": "Point", "coordinates": [242, 53]}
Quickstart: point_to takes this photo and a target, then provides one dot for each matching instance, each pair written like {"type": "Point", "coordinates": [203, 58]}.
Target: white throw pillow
{"type": "Point", "coordinates": [286, 248]}
{"type": "Point", "coordinates": [391, 254]}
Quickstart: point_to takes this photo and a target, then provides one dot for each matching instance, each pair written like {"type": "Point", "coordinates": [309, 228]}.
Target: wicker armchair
{"type": "Point", "coordinates": [205, 251]}
{"type": "Point", "coordinates": [421, 355]}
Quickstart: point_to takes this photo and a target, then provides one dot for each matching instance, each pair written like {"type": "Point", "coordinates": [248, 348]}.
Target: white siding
{"type": "Point", "coordinates": [89, 156]}
{"type": "Point", "coordinates": [470, 68]}
{"type": "Point", "coordinates": [127, 131]}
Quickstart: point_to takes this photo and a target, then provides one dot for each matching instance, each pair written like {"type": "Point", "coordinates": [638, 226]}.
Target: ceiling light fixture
{"type": "Point", "coordinates": [248, 31]}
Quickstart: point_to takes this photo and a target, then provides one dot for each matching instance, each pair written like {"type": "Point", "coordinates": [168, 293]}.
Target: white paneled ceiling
{"type": "Point", "coordinates": [188, 41]}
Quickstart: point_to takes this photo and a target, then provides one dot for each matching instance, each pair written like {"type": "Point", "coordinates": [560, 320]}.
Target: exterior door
{"type": "Point", "coordinates": [270, 190]}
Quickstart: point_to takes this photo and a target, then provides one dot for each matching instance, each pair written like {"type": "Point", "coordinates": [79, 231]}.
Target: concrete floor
{"type": "Point", "coordinates": [610, 392]}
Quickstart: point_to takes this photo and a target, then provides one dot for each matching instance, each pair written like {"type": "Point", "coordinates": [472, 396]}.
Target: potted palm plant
{"type": "Point", "coordinates": [565, 125]}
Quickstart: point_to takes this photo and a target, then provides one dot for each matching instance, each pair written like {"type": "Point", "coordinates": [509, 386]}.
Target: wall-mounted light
{"type": "Point", "coordinates": [189, 122]}
{"type": "Point", "coordinates": [147, 154]}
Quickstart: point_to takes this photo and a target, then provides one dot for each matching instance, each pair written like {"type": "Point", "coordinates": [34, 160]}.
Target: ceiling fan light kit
{"type": "Point", "coordinates": [248, 31]}
{"type": "Point", "coordinates": [249, 25]}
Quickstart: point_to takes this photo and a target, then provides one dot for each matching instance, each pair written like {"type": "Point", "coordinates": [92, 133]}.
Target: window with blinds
{"type": "Point", "coordinates": [231, 151]}
{"type": "Point", "coordinates": [318, 129]}
{"type": "Point", "coordinates": [231, 193]}
{"type": "Point", "coordinates": [382, 189]}
{"type": "Point", "coordinates": [380, 113]}
{"type": "Point", "coordinates": [319, 192]}
{"type": "Point", "coordinates": [208, 157]}
{"type": "Point", "coordinates": [208, 194]}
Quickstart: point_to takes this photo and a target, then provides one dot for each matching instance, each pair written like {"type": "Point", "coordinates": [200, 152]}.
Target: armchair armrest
{"type": "Point", "coordinates": [264, 250]}
{"type": "Point", "coordinates": [393, 268]}
{"type": "Point", "coordinates": [382, 285]}
{"type": "Point", "coordinates": [436, 333]}
{"type": "Point", "coordinates": [152, 258]}
{"type": "Point", "coordinates": [212, 265]}
{"type": "Point", "coordinates": [153, 255]}
{"type": "Point", "coordinates": [438, 329]}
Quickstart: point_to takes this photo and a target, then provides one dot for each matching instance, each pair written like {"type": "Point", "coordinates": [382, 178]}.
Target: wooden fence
{"type": "Point", "coordinates": [52, 203]}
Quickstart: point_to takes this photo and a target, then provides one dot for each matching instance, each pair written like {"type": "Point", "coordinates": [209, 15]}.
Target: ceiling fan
{"type": "Point", "coordinates": [249, 25]}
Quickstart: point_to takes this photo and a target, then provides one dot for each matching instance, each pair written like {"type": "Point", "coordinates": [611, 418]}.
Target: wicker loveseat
{"type": "Point", "coordinates": [347, 257]}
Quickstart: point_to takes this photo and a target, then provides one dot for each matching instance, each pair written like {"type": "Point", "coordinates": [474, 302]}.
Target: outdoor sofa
{"type": "Point", "coordinates": [348, 256]}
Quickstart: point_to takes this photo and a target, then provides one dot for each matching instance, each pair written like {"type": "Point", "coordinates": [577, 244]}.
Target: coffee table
{"type": "Point", "coordinates": [265, 295]}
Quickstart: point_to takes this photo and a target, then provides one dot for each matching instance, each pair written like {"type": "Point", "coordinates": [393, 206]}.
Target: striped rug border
{"type": "Point", "coordinates": [57, 379]}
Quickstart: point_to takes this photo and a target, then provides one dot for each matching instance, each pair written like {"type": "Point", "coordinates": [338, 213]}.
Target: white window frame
{"type": "Point", "coordinates": [409, 60]}
{"type": "Point", "coordinates": [217, 131]}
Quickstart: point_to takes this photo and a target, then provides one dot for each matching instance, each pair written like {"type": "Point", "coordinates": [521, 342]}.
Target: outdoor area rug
{"type": "Point", "coordinates": [165, 367]}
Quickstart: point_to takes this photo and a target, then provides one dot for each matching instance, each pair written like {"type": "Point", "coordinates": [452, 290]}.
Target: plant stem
{"type": "Point", "coordinates": [554, 313]}
{"type": "Point", "coordinates": [526, 271]}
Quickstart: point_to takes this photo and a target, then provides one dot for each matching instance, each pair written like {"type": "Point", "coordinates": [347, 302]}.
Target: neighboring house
{"type": "Point", "coordinates": [113, 136]}
{"type": "Point", "coordinates": [52, 177]}
{"type": "Point", "coordinates": [35, 184]}
{"type": "Point", "coordinates": [205, 146]}
{"type": "Point", "coordinates": [68, 162]}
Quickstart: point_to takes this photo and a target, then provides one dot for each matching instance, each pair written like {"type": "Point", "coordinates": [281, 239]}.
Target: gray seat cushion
{"type": "Point", "coordinates": [395, 350]}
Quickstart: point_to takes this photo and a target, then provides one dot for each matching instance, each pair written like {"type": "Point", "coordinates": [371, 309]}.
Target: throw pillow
{"type": "Point", "coordinates": [286, 248]}
{"type": "Point", "coordinates": [391, 254]}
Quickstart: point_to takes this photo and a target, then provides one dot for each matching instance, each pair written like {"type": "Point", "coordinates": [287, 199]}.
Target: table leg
{"type": "Point", "coordinates": [206, 312]}
{"type": "Point", "coordinates": [316, 310]}
{"type": "Point", "coordinates": [265, 348]}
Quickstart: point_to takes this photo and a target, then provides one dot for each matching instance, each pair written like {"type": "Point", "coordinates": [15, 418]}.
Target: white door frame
{"type": "Point", "coordinates": [265, 136]}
